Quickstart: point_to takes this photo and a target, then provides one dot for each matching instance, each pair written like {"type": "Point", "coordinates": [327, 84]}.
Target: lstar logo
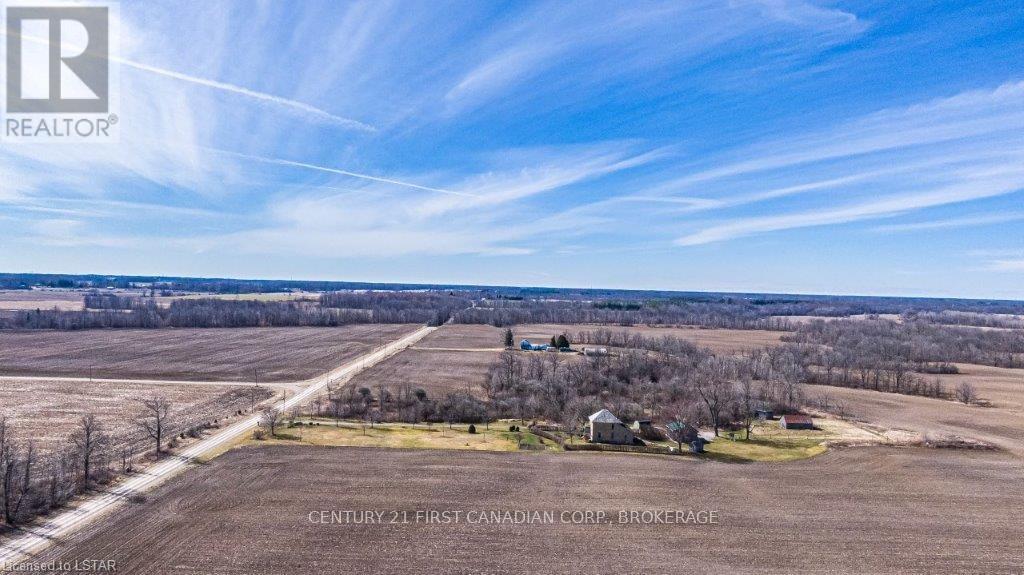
{"type": "Point", "coordinates": [58, 85]}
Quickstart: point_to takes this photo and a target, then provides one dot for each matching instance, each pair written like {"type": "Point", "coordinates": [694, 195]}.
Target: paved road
{"type": "Point", "coordinates": [65, 522]}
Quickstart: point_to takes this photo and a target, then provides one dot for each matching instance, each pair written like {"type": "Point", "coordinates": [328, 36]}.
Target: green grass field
{"type": "Point", "coordinates": [323, 431]}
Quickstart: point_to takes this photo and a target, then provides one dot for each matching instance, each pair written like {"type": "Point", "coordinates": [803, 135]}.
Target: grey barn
{"type": "Point", "coordinates": [606, 428]}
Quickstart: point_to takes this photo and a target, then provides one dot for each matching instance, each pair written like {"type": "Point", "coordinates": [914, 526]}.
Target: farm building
{"type": "Point", "coordinates": [525, 345]}
{"type": "Point", "coordinates": [642, 426]}
{"type": "Point", "coordinates": [765, 414]}
{"type": "Point", "coordinates": [685, 432]}
{"type": "Point", "coordinates": [796, 421]}
{"type": "Point", "coordinates": [606, 428]}
{"type": "Point", "coordinates": [595, 351]}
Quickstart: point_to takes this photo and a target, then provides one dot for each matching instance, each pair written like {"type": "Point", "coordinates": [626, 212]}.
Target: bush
{"type": "Point", "coordinates": [472, 428]}
{"type": "Point", "coordinates": [259, 434]}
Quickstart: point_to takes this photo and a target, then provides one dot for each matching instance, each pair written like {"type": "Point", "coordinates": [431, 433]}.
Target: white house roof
{"type": "Point", "coordinates": [604, 416]}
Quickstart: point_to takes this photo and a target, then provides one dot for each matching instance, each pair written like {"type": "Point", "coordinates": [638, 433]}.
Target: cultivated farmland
{"type": "Point", "coordinates": [23, 300]}
{"type": "Point", "coordinates": [436, 371]}
{"type": "Point", "coordinates": [927, 418]}
{"type": "Point", "coordinates": [48, 411]}
{"type": "Point", "coordinates": [874, 510]}
{"type": "Point", "coordinates": [278, 354]}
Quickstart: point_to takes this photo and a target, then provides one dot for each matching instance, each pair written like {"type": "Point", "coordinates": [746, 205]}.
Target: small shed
{"type": "Point", "coordinates": [764, 414]}
{"type": "Point", "coordinates": [796, 421]}
{"type": "Point", "coordinates": [697, 445]}
{"type": "Point", "coordinates": [645, 429]}
{"type": "Point", "coordinates": [685, 432]}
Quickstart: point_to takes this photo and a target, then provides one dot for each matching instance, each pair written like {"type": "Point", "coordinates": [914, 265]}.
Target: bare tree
{"type": "Point", "coordinates": [89, 439]}
{"type": "Point", "coordinates": [745, 395]}
{"type": "Point", "coordinates": [681, 433]}
{"type": "Point", "coordinates": [154, 419]}
{"type": "Point", "coordinates": [15, 473]}
{"type": "Point", "coordinates": [965, 393]}
{"type": "Point", "coordinates": [713, 382]}
{"type": "Point", "coordinates": [270, 418]}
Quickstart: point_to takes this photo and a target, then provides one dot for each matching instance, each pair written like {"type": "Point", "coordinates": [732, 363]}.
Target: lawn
{"type": "Point", "coordinates": [324, 431]}
{"type": "Point", "coordinates": [770, 443]}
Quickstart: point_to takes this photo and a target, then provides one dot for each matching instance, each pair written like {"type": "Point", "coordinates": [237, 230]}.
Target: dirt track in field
{"type": "Point", "coordinates": [279, 354]}
{"type": "Point", "coordinates": [880, 510]}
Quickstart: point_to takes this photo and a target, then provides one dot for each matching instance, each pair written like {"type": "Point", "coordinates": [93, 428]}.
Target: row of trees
{"type": "Point", "coordinates": [432, 308]}
{"type": "Point", "coordinates": [918, 345]}
{"type": "Point", "coordinates": [332, 310]}
{"type": "Point", "coordinates": [505, 312]}
{"type": "Point", "coordinates": [33, 481]}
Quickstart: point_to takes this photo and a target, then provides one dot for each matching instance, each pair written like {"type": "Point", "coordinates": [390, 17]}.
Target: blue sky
{"type": "Point", "coordinates": [788, 146]}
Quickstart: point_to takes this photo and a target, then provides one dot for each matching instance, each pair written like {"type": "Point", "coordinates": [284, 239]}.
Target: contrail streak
{"type": "Point", "coordinates": [312, 111]}
{"type": "Point", "coordinates": [293, 164]}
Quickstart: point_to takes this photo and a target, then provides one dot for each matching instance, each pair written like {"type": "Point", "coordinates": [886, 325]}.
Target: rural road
{"type": "Point", "coordinates": [33, 539]}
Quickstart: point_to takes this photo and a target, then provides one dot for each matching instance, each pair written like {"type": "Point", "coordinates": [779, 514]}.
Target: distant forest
{"type": "Point", "coordinates": [333, 310]}
{"type": "Point", "coordinates": [329, 304]}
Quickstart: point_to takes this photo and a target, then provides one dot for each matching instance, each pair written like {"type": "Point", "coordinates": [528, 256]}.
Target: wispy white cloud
{"type": "Point", "coordinates": [954, 150]}
{"type": "Point", "coordinates": [373, 222]}
{"type": "Point", "coordinates": [892, 205]}
{"type": "Point", "coordinates": [330, 170]}
{"type": "Point", "coordinates": [960, 222]}
{"type": "Point", "coordinates": [1007, 265]}
{"type": "Point", "coordinates": [300, 107]}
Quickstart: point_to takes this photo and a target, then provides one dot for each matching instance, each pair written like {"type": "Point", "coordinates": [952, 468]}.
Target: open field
{"type": "Point", "coordinates": [798, 319]}
{"type": "Point", "coordinates": [403, 436]}
{"type": "Point", "coordinates": [47, 411]}
{"type": "Point", "coordinates": [854, 510]}
{"type": "Point", "coordinates": [1002, 427]}
{"type": "Point", "coordinates": [279, 354]}
{"type": "Point", "coordinates": [275, 296]}
{"type": "Point", "coordinates": [465, 336]}
{"type": "Point", "coordinates": [436, 371]}
{"type": "Point", "coordinates": [21, 300]}
{"type": "Point", "coordinates": [1003, 387]}
{"type": "Point", "coordinates": [718, 340]}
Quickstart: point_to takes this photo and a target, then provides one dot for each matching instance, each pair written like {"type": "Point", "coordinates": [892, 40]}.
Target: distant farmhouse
{"type": "Point", "coordinates": [606, 428]}
{"type": "Point", "coordinates": [796, 421]}
{"type": "Point", "coordinates": [525, 345]}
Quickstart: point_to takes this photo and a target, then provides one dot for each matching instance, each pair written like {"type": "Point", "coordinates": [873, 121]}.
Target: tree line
{"type": "Point", "coordinates": [95, 452]}
{"type": "Point", "coordinates": [505, 312]}
{"type": "Point", "coordinates": [919, 345]}
{"type": "Point", "coordinates": [114, 311]}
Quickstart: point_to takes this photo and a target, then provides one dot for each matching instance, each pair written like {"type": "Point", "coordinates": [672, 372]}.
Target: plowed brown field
{"type": "Point", "coordinates": [877, 510]}
{"type": "Point", "coordinates": [279, 354]}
